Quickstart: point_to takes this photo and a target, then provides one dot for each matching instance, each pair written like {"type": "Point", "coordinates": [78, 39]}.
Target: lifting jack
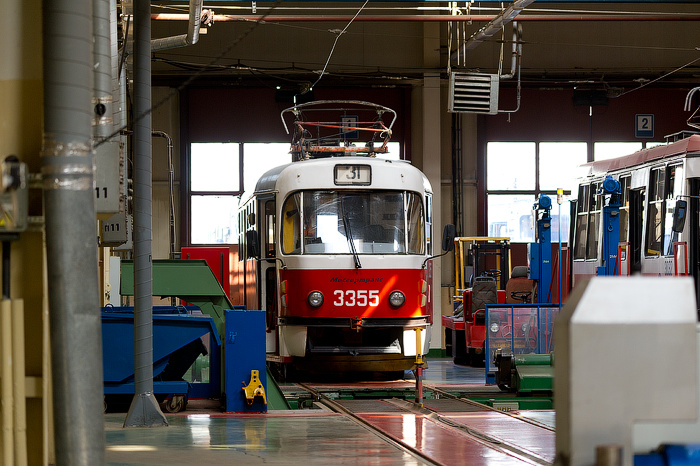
{"type": "Point", "coordinates": [254, 388]}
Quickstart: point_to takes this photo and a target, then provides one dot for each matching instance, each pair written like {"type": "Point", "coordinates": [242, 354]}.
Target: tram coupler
{"type": "Point", "coordinates": [419, 368]}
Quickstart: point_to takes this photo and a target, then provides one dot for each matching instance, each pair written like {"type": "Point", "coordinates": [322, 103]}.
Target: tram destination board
{"type": "Point", "coordinates": [353, 175]}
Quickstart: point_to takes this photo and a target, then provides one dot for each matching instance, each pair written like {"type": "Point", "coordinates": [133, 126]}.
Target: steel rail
{"type": "Point", "coordinates": [488, 408]}
{"type": "Point", "coordinates": [367, 425]}
{"type": "Point", "coordinates": [491, 442]}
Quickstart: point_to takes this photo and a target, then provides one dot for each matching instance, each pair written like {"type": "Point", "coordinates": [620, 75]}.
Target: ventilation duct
{"type": "Point", "coordinates": [474, 93]}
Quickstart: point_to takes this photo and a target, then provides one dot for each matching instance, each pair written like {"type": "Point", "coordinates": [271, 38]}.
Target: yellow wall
{"type": "Point", "coordinates": [21, 135]}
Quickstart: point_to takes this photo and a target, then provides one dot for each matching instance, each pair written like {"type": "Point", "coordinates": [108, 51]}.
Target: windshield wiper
{"type": "Point", "coordinates": [348, 235]}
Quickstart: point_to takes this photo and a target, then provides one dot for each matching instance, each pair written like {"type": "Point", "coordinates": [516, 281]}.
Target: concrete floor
{"type": "Point", "coordinates": [203, 435]}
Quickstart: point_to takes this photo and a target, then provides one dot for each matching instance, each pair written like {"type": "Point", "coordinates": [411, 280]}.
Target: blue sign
{"type": "Point", "coordinates": [644, 125]}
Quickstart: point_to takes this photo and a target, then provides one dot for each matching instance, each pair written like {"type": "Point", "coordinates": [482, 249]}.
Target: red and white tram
{"type": "Point", "coordinates": [655, 183]}
{"type": "Point", "coordinates": [337, 252]}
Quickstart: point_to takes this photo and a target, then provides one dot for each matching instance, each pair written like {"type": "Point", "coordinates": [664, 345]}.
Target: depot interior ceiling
{"type": "Point", "coordinates": [564, 44]}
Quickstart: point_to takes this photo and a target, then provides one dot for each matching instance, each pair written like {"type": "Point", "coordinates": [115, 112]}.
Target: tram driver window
{"type": "Point", "coordinates": [291, 225]}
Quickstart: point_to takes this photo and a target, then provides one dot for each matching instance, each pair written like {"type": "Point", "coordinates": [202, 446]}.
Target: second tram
{"type": "Point", "coordinates": [657, 186]}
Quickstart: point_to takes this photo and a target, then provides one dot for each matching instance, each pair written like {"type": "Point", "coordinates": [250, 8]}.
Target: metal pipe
{"type": "Point", "coordinates": [514, 53]}
{"type": "Point", "coordinates": [497, 23]}
{"type": "Point", "coordinates": [144, 410]}
{"type": "Point", "coordinates": [171, 184]}
{"type": "Point", "coordinates": [519, 55]}
{"type": "Point", "coordinates": [192, 36]}
{"type": "Point", "coordinates": [19, 383]}
{"type": "Point", "coordinates": [430, 18]}
{"type": "Point", "coordinates": [102, 98]}
{"type": "Point", "coordinates": [71, 246]}
{"type": "Point", "coordinates": [8, 456]}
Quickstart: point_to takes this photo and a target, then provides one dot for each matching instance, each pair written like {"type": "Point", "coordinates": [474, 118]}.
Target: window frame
{"type": "Point", "coordinates": [535, 193]}
{"type": "Point", "coordinates": [191, 193]}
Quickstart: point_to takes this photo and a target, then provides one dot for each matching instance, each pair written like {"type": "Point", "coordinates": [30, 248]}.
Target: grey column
{"type": "Point", "coordinates": [71, 233]}
{"type": "Point", "coordinates": [144, 410]}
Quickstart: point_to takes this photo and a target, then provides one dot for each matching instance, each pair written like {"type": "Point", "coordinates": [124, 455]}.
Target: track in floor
{"type": "Point", "coordinates": [449, 430]}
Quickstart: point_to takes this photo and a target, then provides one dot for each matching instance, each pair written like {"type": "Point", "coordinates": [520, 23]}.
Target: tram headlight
{"type": "Point", "coordinates": [315, 299]}
{"type": "Point", "coordinates": [494, 327]}
{"type": "Point", "coordinates": [397, 298]}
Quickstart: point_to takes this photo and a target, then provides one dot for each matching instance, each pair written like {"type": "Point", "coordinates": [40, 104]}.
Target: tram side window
{"type": "Point", "coordinates": [657, 183]}
{"type": "Point", "coordinates": [270, 229]}
{"type": "Point", "coordinates": [595, 204]}
{"type": "Point", "coordinates": [246, 222]}
{"type": "Point", "coordinates": [581, 222]}
{"type": "Point", "coordinates": [624, 208]}
{"type": "Point", "coordinates": [675, 188]}
{"type": "Point", "coordinates": [291, 225]}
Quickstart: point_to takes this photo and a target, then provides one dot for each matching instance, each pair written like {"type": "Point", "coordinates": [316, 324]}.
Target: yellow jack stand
{"type": "Point", "coordinates": [254, 388]}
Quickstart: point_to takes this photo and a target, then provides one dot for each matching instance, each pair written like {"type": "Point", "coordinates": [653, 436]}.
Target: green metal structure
{"type": "Point", "coordinates": [194, 282]}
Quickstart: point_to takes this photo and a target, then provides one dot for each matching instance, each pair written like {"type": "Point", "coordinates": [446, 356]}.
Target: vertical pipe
{"type": "Point", "coordinates": [102, 97]}
{"type": "Point", "coordinates": [144, 410]}
{"type": "Point", "coordinates": [6, 382]}
{"type": "Point", "coordinates": [71, 246]}
{"type": "Point", "coordinates": [18, 383]}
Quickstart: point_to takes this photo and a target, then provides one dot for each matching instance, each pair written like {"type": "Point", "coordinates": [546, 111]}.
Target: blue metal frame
{"type": "Point", "coordinates": [172, 329]}
{"type": "Point", "coordinates": [540, 253]}
{"type": "Point", "coordinates": [245, 351]}
{"type": "Point", "coordinates": [544, 322]}
{"type": "Point", "coordinates": [611, 227]}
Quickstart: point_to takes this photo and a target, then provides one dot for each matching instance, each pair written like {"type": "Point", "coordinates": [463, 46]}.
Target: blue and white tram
{"type": "Point", "coordinates": [655, 184]}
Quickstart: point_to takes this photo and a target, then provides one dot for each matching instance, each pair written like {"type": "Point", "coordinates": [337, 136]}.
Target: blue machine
{"type": "Point", "coordinates": [539, 254]}
{"type": "Point", "coordinates": [237, 367]}
{"type": "Point", "coordinates": [177, 334]}
{"type": "Point", "coordinates": [611, 226]}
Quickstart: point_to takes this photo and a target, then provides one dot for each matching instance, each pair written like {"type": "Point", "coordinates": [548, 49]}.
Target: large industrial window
{"type": "Point", "coordinates": [221, 174]}
{"type": "Point", "coordinates": [517, 173]}
{"type": "Point", "coordinates": [215, 182]}
{"type": "Point", "coordinates": [610, 150]}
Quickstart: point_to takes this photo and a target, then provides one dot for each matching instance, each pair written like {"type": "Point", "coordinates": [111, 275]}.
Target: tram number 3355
{"type": "Point", "coordinates": [356, 297]}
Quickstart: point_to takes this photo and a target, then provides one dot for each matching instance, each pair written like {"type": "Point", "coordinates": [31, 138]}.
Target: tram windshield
{"type": "Point", "coordinates": [348, 222]}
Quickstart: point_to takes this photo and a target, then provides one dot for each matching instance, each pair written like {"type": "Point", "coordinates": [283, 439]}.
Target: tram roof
{"type": "Point", "coordinates": [269, 180]}
{"type": "Point", "coordinates": [687, 146]}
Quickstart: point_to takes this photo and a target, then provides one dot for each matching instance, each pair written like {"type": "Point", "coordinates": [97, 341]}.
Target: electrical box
{"type": "Point", "coordinates": [109, 161]}
{"type": "Point", "coordinates": [14, 197]}
{"type": "Point", "coordinates": [116, 231]}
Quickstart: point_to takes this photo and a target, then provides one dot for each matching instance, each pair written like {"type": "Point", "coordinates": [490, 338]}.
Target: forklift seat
{"type": "Point", "coordinates": [519, 289]}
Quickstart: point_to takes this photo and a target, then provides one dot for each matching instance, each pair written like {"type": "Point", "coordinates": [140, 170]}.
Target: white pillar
{"type": "Point", "coordinates": [431, 115]}
{"type": "Point", "coordinates": [431, 168]}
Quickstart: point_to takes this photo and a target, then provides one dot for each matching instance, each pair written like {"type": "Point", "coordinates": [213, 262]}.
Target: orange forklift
{"type": "Point", "coordinates": [482, 276]}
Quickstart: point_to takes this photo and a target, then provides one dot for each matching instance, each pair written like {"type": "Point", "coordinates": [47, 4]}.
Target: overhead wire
{"type": "Point", "coordinates": [334, 44]}
{"type": "Point", "coordinates": [660, 77]}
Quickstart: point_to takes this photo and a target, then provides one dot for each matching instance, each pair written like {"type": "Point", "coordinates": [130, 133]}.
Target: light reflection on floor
{"type": "Point", "coordinates": [301, 437]}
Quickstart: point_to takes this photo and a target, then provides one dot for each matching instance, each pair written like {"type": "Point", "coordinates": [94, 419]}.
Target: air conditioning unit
{"type": "Point", "coordinates": [474, 93]}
